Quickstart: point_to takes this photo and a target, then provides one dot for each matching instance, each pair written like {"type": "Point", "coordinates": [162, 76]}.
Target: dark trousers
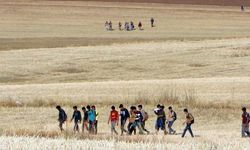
{"type": "Point", "coordinates": [76, 127]}
{"type": "Point", "coordinates": [143, 123]}
{"type": "Point", "coordinates": [95, 124]}
{"type": "Point", "coordinates": [123, 122]}
{"type": "Point", "coordinates": [188, 127]}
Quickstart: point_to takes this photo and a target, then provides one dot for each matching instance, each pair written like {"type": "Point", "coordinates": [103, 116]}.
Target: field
{"type": "Point", "coordinates": [58, 52]}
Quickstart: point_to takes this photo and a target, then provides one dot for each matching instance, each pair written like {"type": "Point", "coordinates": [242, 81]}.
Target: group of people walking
{"type": "Point", "coordinates": [135, 118]}
{"type": "Point", "coordinates": [128, 26]}
{"type": "Point", "coordinates": [89, 120]}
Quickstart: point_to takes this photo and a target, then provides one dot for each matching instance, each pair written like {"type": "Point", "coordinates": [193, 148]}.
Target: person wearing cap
{"type": "Point", "coordinates": [62, 117]}
{"type": "Point", "coordinates": [245, 123]}
{"type": "Point", "coordinates": [124, 115]}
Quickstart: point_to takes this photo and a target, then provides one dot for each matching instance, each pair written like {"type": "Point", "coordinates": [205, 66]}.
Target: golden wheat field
{"type": "Point", "coordinates": [59, 53]}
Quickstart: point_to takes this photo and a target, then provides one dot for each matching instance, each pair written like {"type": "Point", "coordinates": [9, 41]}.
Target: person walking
{"type": "Point", "coordinates": [152, 22]}
{"type": "Point", "coordinates": [124, 115]}
{"type": "Point", "coordinates": [189, 121]}
{"type": "Point", "coordinates": [77, 118]}
{"type": "Point", "coordinates": [114, 119]}
{"type": "Point", "coordinates": [138, 119]}
{"type": "Point", "coordinates": [85, 119]}
{"type": "Point", "coordinates": [140, 26]}
{"type": "Point", "coordinates": [145, 118]}
{"type": "Point", "coordinates": [161, 119]}
{"type": "Point", "coordinates": [245, 123]}
{"type": "Point", "coordinates": [96, 119]}
{"type": "Point", "coordinates": [62, 117]}
{"type": "Point", "coordinates": [91, 119]}
{"type": "Point", "coordinates": [172, 116]}
{"type": "Point", "coordinates": [120, 26]}
{"type": "Point", "coordinates": [132, 124]}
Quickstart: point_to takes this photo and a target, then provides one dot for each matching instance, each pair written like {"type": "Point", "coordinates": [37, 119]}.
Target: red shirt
{"type": "Point", "coordinates": [114, 115]}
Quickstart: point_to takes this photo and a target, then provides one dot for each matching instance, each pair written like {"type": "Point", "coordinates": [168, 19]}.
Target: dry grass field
{"type": "Point", "coordinates": [58, 52]}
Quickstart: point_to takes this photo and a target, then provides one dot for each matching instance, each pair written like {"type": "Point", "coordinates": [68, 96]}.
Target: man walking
{"type": "Point", "coordinates": [189, 121]}
{"type": "Point", "coordinates": [96, 119]}
{"type": "Point", "coordinates": [77, 118]}
{"type": "Point", "coordinates": [114, 119]}
{"type": "Point", "coordinates": [85, 119]}
{"type": "Point", "coordinates": [62, 117]}
{"type": "Point", "coordinates": [245, 123]}
{"type": "Point", "coordinates": [152, 22]}
{"type": "Point", "coordinates": [91, 119]}
{"type": "Point", "coordinates": [161, 118]}
{"type": "Point", "coordinates": [124, 115]}
{"type": "Point", "coordinates": [145, 118]}
{"type": "Point", "coordinates": [171, 119]}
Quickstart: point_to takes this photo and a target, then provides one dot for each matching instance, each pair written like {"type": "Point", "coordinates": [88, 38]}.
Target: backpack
{"type": "Point", "coordinates": [192, 121]}
{"type": "Point", "coordinates": [146, 116]}
{"type": "Point", "coordinates": [65, 116]}
{"type": "Point", "coordinates": [174, 115]}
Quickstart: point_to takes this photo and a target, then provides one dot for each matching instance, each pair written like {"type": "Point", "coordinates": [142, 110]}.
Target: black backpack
{"type": "Point", "coordinates": [174, 115]}
{"type": "Point", "coordinates": [65, 116]}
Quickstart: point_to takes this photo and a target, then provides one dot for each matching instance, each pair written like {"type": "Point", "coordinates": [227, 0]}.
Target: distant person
{"type": "Point", "coordinates": [110, 25]}
{"type": "Point", "coordinates": [107, 25]}
{"type": "Point", "coordinates": [62, 117]}
{"type": "Point", "coordinates": [161, 119]}
{"type": "Point", "coordinates": [189, 121]}
{"type": "Point", "coordinates": [245, 123]}
{"type": "Point", "coordinates": [145, 118]}
{"type": "Point", "coordinates": [138, 120]}
{"type": "Point", "coordinates": [172, 116]}
{"type": "Point", "coordinates": [152, 22]}
{"type": "Point", "coordinates": [77, 118]}
{"type": "Point", "coordinates": [114, 119]}
{"type": "Point", "coordinates": [140, 26]}
{"type": "Point", "coordinates": [242, 8]}
{"type": "Point", "coordinates": [124, 115]}
{"type": "Point", "coordinates": [96, 119]}
{"type": "Point", "coordinates": [126, 26]}
{"type": "Point", "coordinates": [91, 119]}
{"type": "Point", "coordinates": [132, 26]}
{"type": "Point", "coordinates": [85, 119]}
{"type": "Point", "coordinates": [120, 26]}
{"type": "Point", "coordinates": [132, 124]}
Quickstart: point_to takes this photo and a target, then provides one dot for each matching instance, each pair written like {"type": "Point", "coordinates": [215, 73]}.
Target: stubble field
{"type": "Point", "coordinates": [54, 52]}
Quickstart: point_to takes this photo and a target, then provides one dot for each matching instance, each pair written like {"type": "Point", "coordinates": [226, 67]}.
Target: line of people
{"type": "Point", "coordinates": [128, 26]}
{"type": "Point", "coordinates": [135, 119]}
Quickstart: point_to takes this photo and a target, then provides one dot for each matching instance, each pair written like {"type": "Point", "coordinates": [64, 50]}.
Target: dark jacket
{"type": "Point", "coordinates": [77, 116]}
{"type": "Point", "coordinates": [62, 115]}
{"type": "Point", "coordinates": [124, 114]}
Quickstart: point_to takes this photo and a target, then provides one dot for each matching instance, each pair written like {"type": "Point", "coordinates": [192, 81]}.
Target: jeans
{"type": "Point", "coordinates": [143, 123]}
{"type": "Point", "coordinates": [95, 125]}
{"type": "Point", "coordinates": [170, 124]}
{"type": "Point", "coordinates": [188, 127]}
{"type": "Point", "coordinates": [245, 130]}
{"type": "Point", "coordinates": [123, 122]}
{"type": "Point", "coordinates": [91, 126]}
{"type": "Point", "coordinates": [138, 124]}
{"type": "Point", "coordinates": [85, 125]}
{"type": "Point", "coordinates": [113, 124]}
{"type": "Point", "coordinates": [76, 127]}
